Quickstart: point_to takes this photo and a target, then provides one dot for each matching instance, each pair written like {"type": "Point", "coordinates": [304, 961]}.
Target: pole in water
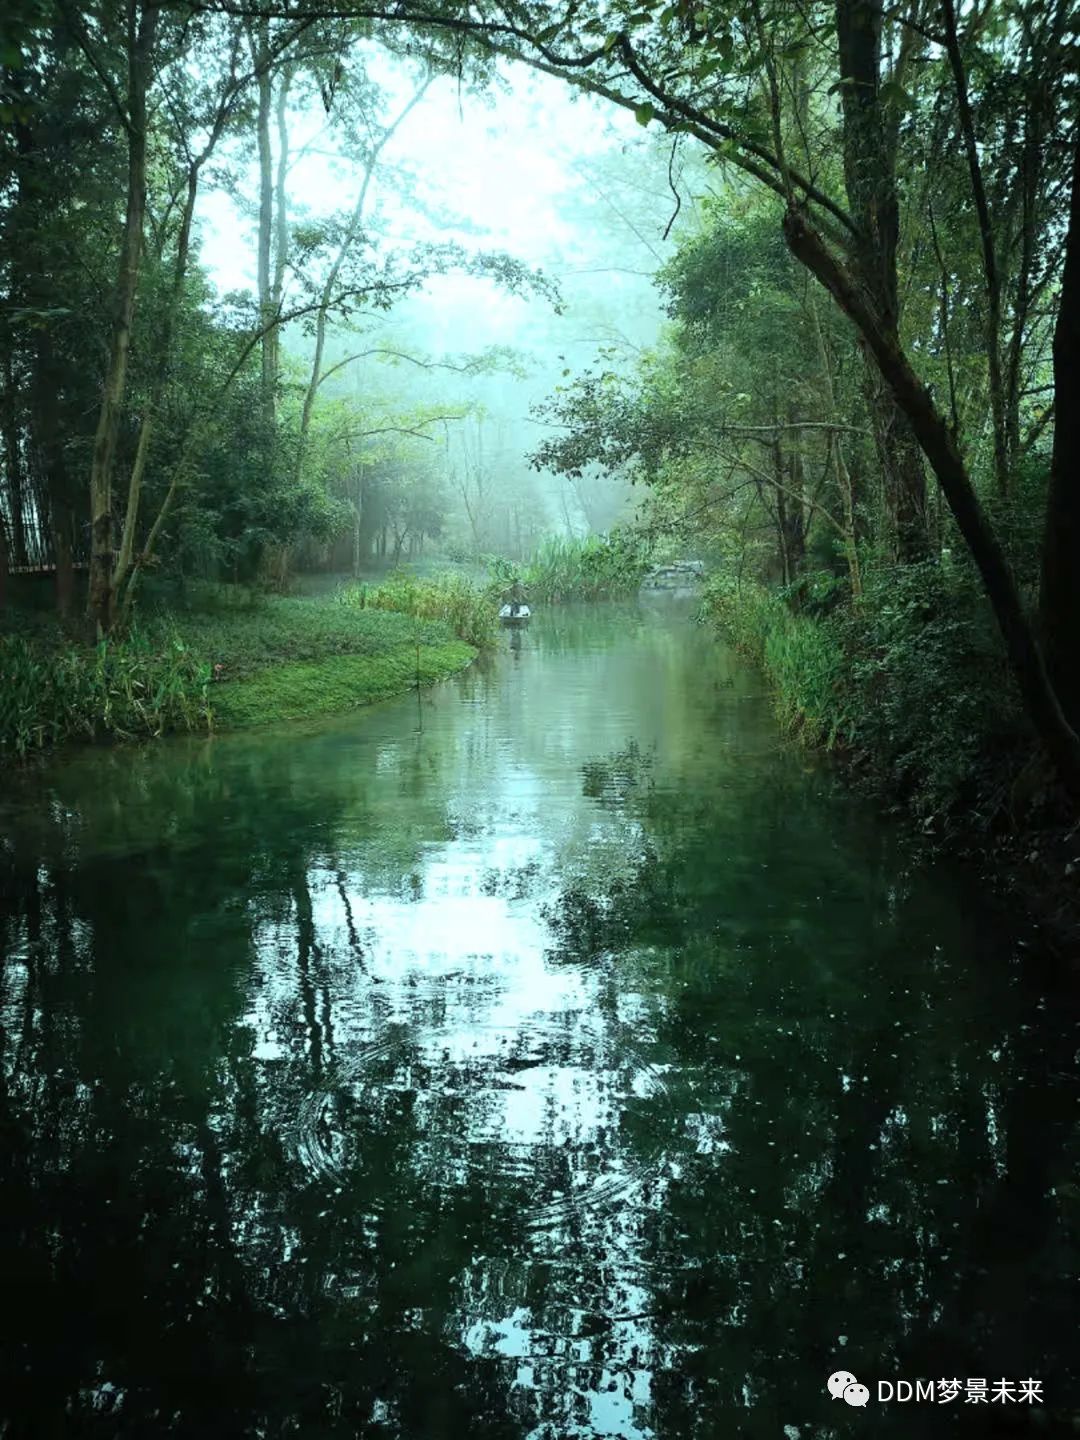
{"type": "Point", "coordinates": [419, 702]}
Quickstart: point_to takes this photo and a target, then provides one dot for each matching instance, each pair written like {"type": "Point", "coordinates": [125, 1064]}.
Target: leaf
{"type": "Point", "coordinates": [644, 113]}
{"type": "Point", "coordinates": [549, 32]}
{"type": "Point", "coordinates": [711, 65]}
{"type": "Point", "coordinates": [894, 94]}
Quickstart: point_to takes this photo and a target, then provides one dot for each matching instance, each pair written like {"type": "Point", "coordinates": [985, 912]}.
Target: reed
{"type": "Point", "coordinates": [468, 609]}
{"type": "Point", "coordinates": [594, 568]}
{"type": "Point", "coordinates": [143, 685]}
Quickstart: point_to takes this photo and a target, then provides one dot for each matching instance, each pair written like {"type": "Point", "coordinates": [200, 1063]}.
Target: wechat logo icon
{"type": "Point", "coordinates": [843, 1386]}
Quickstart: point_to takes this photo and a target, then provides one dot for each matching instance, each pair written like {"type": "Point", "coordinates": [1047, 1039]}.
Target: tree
{"type": "Point", "coordinates": [140, 37]}
{"type": "Point", "coordinates": [1060, 595]}
{"type": "Point", "coordinates": [742, 80]}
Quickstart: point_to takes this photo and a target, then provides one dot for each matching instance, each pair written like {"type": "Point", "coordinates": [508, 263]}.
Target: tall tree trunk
{"type": "Point", "coordinates": [351, 231]}
{"type": "Point", "coordinates": [1059, 600]}
{"type": "Point", "coordinates": [939, 446]}
{"type": "Point", "coordinates": [844, 482]}
{"type": "Point", "coordinates": [62, 524]}
{"type": "Point", "coordinates": [272, 339]}
{"type": "Point", "coordinates": [14, 469]}
{"type": "Point", "coordinates": [991, 273]}
{"type": "Point", "coordinates": [780, 501]}
{"type": "Point", "coordinates": [50, 461]}
{"type": "Point", "coordinates": [870, 180]}
{"type": "Point", "coordinates": [101, 594]}
{"type": "Point", "coordinates": [261, 56]}
{"type": "Point", "coordinates": [3, 563]}
{"type": "Point", "coordinates": [124, 574]}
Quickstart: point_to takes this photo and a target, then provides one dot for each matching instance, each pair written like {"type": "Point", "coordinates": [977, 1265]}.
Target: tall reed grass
{"type": "Point", "coordinates": [139, 686]}
{"type": "Point", "coordinates": [594, 568]}
{"type": "Point", "coordinates": [470, 610]}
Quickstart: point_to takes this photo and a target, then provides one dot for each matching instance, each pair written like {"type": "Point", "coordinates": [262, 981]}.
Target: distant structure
{"type": "Point", "coordinates": [680, 577]}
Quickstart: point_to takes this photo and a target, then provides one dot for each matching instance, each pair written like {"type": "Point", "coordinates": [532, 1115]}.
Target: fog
{"type": "Point", "coordinates": [563, 183]}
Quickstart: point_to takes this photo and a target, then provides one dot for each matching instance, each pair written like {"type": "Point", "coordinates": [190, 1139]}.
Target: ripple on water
{"type": "Point", "coordinates": [565, 1114]}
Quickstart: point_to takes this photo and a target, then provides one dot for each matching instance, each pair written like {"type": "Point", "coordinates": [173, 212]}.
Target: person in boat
{"type": "Point", "coordinates": [515, 597]}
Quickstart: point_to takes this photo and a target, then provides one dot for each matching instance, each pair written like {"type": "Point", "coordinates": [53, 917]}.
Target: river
{"type": "Point", "coordinates": [562, 1054]}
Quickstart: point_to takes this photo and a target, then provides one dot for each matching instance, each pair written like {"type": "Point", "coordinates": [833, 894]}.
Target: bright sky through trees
{"type": "Point", "coordinates": [502, 169]}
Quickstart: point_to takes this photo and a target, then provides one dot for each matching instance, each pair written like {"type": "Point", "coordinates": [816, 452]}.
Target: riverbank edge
{"type": "Point", "coordinates": [217, 665]}
{"type": "Point", "coordinates": [1035, 866]}
{"type": "Point", "coordinates": [303, 689]}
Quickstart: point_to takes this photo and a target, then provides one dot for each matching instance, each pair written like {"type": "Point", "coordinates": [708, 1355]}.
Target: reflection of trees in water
{"type": "Point", "coordinates": [769, 1057]}
{"type": "Point", "coordinates": [150, 1180]}
{"type": "Point", "coordinates": [168, 1275]}
{"type": "Point", "coordinates": [877, 1105]}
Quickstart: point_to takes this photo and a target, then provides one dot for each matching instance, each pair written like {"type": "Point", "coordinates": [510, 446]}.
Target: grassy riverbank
{"type": "Point", "coordinates": [910, 692]}
{"type": "Point", "coordinates": [224, 661]}
{"type": "Point", "coordinates": [910, 685]}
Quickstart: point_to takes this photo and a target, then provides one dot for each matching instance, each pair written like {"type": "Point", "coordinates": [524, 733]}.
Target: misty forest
{"type": "Point", "coordinates": [539, 718]}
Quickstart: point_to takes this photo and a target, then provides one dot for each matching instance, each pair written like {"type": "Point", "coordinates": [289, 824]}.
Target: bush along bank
{"type": "Point", "coordinates": [53, 691]}
{"type": "Point", "coordinates": [608, 567]}
{"type": "Point", "coordinates": [469, 609]}
{"type": "Point", "coordinates": [909, 690]}
{"type": "Point", "coordinates": [227, 662]}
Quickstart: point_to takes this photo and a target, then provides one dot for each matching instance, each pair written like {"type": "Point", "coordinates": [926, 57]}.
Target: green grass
{"type": "Point", "coordinates": [229, 660]}
{"type": "Point", "coordinates": [290, 629]}
{"type": "Point", "coordinates": [301, 689]}
{"type": "Point", "coordinates": [801, 656]}
{"type": "Point", "coordinates": [469, 609]}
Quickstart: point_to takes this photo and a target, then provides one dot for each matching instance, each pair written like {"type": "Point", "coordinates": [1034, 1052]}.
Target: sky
{"type": "Point", "coordinates": [504, 162]}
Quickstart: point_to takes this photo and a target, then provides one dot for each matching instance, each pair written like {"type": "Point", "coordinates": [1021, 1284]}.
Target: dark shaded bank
{"type": "Point", "coordinates": [908, 693]}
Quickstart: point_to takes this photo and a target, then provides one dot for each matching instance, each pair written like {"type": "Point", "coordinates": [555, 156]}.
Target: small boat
{"type": "Point", "coordinates": [514, 614]}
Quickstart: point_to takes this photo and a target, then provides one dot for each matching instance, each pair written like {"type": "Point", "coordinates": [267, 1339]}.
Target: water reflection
{"type": "Point", "coordinates": [580, 1064]}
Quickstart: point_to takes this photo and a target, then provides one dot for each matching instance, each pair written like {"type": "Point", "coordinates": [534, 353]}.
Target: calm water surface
{"type": "Point", "coordinates": [563, 1057]}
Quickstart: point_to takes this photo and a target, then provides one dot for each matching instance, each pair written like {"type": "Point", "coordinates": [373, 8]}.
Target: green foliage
{"type": "Point", "coordinates": [233, 658]}
{"type": "Point", "coordinates": [596, 568]}
{"type": "Point", "coordinates": [910, 683]}
{"type": "Point", "coordinates": [469, 610]}
{"type": "Point", "coordinates": [148, 683]}
{"type": "Point", "coordinates": [300, 690]}
{"type": "Point", "coordinates": [926, 695]}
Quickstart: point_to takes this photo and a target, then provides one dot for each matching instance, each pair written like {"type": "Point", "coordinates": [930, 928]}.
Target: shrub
{"type": "Point", "coordinates": [142, 685]}
{"type": "Point", "coordinates": [596, 568]}
{"type": "Point", "coordinates": [910, 681]}
{"type": "Point", "coordinates": [469, 610]}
